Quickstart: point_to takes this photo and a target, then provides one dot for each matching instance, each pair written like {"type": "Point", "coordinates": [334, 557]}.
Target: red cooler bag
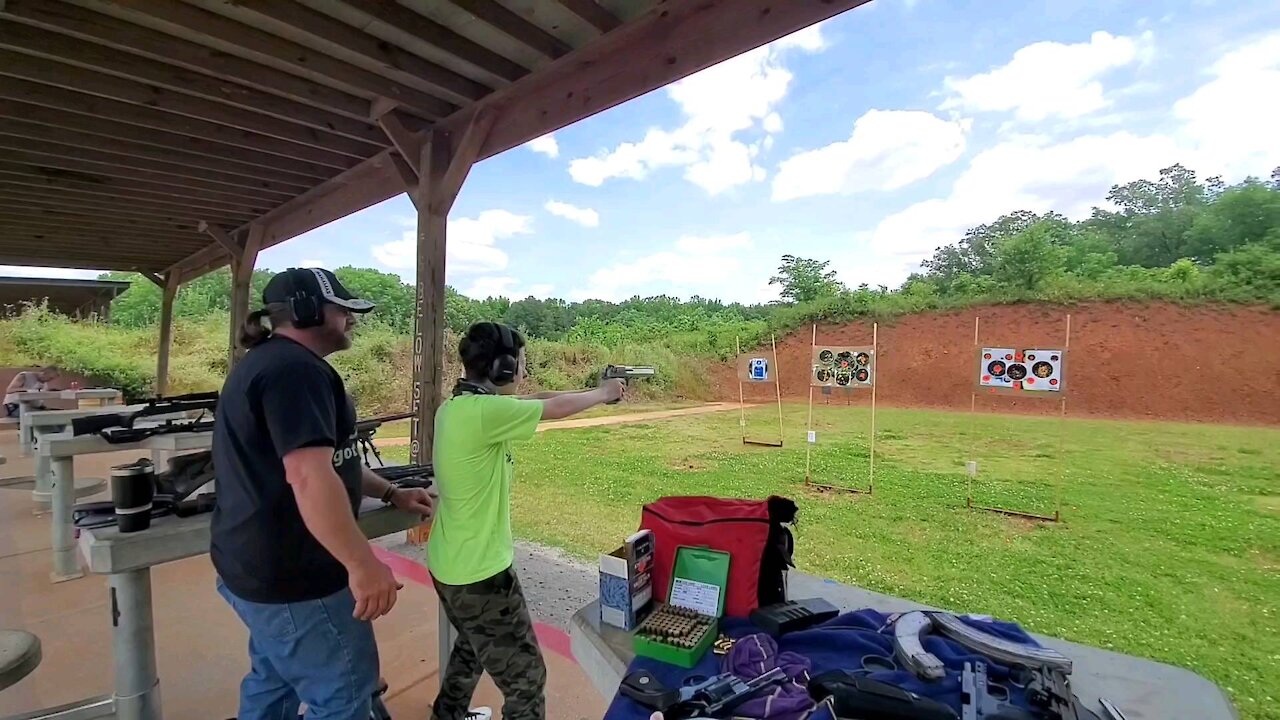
{"type": "Point", "coordinates": [758, 545]}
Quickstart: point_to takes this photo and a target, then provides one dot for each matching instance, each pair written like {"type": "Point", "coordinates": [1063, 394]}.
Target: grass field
{"type": "Point", "coordinates": [1169, 549]}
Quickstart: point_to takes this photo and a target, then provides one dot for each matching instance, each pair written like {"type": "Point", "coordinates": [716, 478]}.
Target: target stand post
{"type": "Point", "coordinates": [851, 368]}
{"type": "Point", "coordinates": [758, 370]}
{"type": "Point", "coordinates": [1004, 371]}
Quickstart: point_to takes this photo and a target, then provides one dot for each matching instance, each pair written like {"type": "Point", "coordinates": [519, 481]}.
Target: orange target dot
{"type": "Point", "coordinates": [1007, 356]}
{"type": "Point", "coordinates": [1031, 381]}
{"type": "Point", "coordinates": [986, 378]}
{"type": "Point", "coordinates": [1054, 381]}
{"type": "Point", "coordinates": [986, 356]}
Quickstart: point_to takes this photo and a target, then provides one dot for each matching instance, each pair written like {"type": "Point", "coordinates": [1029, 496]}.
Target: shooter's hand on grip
{"type": "Point", "coordinates": [614, 388]}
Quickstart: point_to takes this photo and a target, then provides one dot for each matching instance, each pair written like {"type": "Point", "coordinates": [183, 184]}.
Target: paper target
{"type": "Point", "coordinates": [845, 367]}
{"type": "Point", "coordinates": [755, 369]}
{"type": "Point", "coordinates": [1013, 369]}
{"type": "Point", "coordinates": [1045, 370]}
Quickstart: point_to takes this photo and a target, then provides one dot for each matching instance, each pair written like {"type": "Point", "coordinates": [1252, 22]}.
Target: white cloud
{"type": "Point", "coordinates": [1025, 173]}
{"type": "Point", "coordinates": [585, 217]}
{"type": "Point", "coordinates": [716, 266]}
{"type": "Point", "coordinates": [889, 149]}
{"type": "Point", "coordinates": [740, 95]}
{"type": "Point", "coordinates": [28, 271]}
{"type": "Point", "coordinates": [546, 145]}
{"type": "Point", "coordinates": [1229, 122]}
{"type": "Point", "coordinates": [471, 245]}
{"type": "Point", "coordinates": [1048, 79]}
{"type": "Point", "coordinates": [484, 287]}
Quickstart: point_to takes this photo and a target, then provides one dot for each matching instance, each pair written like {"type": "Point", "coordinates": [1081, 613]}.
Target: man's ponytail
{"type": "Point", "coordinates": [254, 331]}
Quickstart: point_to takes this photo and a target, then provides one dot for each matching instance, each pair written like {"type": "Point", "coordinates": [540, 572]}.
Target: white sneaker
{"type": "Point", "coordinates": [480, 713]}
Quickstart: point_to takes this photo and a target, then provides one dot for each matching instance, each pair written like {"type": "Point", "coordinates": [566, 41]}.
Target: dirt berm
{"type": "Point", "coordinates": [1126, 360]}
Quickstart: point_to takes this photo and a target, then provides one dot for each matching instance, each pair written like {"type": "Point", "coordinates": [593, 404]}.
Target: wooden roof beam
{"type": "Point", "coordinates": [14, 174]}
{"type": "Point", "coordinates": [139, 141]}
{"type": "Point", "coordinates": [516, 27]}
{"type": "Point", "coordinates": [236, 37]}
{"type": "Point", "coordinates": [88, 152]}
{"type": "Point", "coordinates": [71, 201]}
{"type": "Point", "coordinates": [71, 101]}
{"type": "Point", "coordinates": [184, 184]}
{"type": "Point", "coordinates": [155, 279]}
{"type": "Point", "coordinates": [593, 13]}
{"type": "Point", "coordinates": [232, 247]}
{"type": "Point", "coordinates": [96, 262]}
{"type": "Point", "coordinates": [18, 240]}
{"type": "Point", "coordinates": [13, 163]}
{"type": "Point", "coordinates": [89, 218]}
{"type": "Point", "coordinates": [81, 80]}
{"type": "Point", "coordinates": [408, 143]}
{"type": "Point", "coordinates": [452, 86]}
{"type": "Point", "coordinates": [122, 35]}
{"type": "Point", "coordinates": [32, 39]}
{"type": "Point", "coordinates": [143, 238]}
{"type": "Point", "coordinates": [677, 39]}
{"type": "Point", "coordinates": [426, 30]}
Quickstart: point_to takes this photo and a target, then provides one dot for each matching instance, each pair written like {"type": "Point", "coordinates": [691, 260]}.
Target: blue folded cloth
{"type": "Point", "coordinates": [851, 641]}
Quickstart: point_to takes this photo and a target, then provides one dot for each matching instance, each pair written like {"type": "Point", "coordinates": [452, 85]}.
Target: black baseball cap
{"type": "Point", "coordinates": [315, 283]}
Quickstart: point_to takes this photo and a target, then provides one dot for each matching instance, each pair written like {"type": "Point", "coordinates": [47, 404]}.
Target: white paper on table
{"type": "Point", "coordinates": [701, 597]}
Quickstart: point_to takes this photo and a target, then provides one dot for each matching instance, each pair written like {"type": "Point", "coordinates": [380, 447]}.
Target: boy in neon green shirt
{"type": "Point", "coordinates": [470, 550]}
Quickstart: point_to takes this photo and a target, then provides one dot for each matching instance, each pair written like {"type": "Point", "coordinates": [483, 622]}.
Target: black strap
{"type": "Point", "coordinates": [466, 387]}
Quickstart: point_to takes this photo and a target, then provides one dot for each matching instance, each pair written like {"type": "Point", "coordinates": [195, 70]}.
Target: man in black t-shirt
{"type": "Point", "coordinates": [290, 558]}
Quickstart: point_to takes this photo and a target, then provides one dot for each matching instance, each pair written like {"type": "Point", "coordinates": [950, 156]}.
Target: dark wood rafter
{"type": "Point", "coordinates": [432, 33]}
{"type": "Point", "coordinates": [99, 107]}
{"type": "Point", "coordinates": [443, 82]}
{"type": "Point", "coordinates": [245, 39]}
{"type": "Point", "coordinates": [18, 118]}
{"type": "Point", "coordinates": [97, 165]}
{"type": "Point", "coordinates": [118, 190]}
{"type": "Point", "coordinates": [69, 77]}
{"type": "Point", "coordinates": [593, 14]}
{"type": "Point", "coordinates": [516, 27]}
{"type": "Point", "coordinates": [154, 278]}
{"type": "Point", "coordinates": [132, 38]}
{"type": "Point", "coordinates": [404, 140]}
{"type": "Point", "coordinates": [64, 200]}
{"type": "Point", "coordinates": [233, 248]}
{"type": "Point", "coordinates": [11, 218]}
{"type": "Point", "coordinates": [45, 175]}
{"type": "Point", "coordinates": [89, 154]}
{"type": "Point", "coordinates": [153, 79]}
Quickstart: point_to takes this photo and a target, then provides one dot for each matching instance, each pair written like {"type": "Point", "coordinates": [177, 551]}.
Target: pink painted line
{"type": "Point", "coordinates": [550, 637]}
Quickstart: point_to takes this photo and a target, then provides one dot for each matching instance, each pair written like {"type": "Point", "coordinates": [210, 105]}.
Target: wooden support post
{"type": "Point", "coordinates": [442, 168]}
{"type": "Point", "coordinates": [241, 278]}
{"type": "Point", "coordinates": [171, 283]}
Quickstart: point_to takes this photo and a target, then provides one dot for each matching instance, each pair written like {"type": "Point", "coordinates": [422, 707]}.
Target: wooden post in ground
{"type": "Point", "coordinates": [171, 282]}
{"type": "Point", "coordinates": [241, 280]}
{"type": "Point", "coordinates": [441, 167]}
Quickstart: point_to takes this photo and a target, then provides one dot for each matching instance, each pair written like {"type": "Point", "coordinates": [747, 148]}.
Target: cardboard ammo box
{"type": "Point", "coordinates": [699, 579]}
{"type": "Point", "coordinates": [626, 581]}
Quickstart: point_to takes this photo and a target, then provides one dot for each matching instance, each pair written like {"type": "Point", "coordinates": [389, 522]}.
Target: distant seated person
{"type": "Point", "coordinates": [27, 381]}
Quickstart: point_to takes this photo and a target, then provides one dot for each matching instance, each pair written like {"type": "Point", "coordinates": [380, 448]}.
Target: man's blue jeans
{"type": "Point", "coordinates": [310, 652]}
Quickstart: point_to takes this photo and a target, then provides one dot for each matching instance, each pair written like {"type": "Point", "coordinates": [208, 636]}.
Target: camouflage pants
{"type": "Point", "coordinates": [495, 635]}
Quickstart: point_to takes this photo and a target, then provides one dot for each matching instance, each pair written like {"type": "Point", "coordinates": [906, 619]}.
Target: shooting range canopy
{"type": "Point", "coordinates": [148, 135]}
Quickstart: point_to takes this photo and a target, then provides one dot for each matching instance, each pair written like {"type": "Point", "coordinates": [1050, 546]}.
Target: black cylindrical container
{"type": "Point", "coordinates": [133, 487]}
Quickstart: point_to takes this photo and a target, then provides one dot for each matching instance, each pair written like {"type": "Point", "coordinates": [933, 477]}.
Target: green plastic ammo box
{"type": "Point", "coordinates": [702, 565]}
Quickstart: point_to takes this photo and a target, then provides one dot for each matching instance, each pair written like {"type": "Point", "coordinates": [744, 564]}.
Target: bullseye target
{"type": "Point", "coordinates": [846, 367]}
{"type": "Point", "coordinates": [1012, 369]}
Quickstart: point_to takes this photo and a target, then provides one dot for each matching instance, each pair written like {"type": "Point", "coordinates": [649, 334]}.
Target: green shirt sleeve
{"type": "Point", "coordinates": [510, 419]}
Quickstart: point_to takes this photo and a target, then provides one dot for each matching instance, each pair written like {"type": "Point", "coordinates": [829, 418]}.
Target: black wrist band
{"type": "Point", "coordinates": [386, 496]}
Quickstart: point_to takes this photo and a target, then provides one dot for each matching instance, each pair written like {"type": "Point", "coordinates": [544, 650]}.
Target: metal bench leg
{"type": "Point", "coordinates": [65, 564]}
{"type": "Point", "coordinates": [133, 646]}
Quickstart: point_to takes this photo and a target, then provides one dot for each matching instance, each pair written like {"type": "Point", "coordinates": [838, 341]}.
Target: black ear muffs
{"type": "Point", "coordinates": [505, 363]}
{"type": "Point", "coordinates": [305, 310]}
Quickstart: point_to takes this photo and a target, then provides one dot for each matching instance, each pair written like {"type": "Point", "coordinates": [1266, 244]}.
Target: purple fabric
{"type": "Point", "coordinates": [757, 654]}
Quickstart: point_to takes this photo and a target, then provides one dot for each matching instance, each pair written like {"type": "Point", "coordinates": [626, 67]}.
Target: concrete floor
{"type": "Point", "coordinates": [202, 646]}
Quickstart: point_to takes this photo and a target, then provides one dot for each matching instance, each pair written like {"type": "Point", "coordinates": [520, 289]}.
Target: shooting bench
{"type": "Point", "coordinates": [1143, 689]}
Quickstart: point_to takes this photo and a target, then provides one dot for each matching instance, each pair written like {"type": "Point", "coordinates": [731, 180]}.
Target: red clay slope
{"type": "Point", "coordinates": [1127, 360]}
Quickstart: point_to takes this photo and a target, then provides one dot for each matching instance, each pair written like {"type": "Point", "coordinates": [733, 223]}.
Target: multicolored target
{"type": "Point", "coordinates": [846, 367]}
{"type": "Point", "coordinates": [1012, 369]}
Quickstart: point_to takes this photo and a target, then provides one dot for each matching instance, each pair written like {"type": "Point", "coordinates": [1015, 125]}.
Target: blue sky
{"type": "Point", "coordinates": [866, 141]}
